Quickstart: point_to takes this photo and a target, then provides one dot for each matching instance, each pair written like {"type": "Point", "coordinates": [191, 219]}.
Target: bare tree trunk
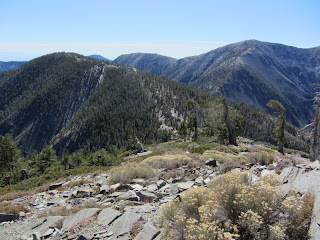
{"type": "Point", "coordinates": [231, 129]}
{"type": "Point", "coordinates": [196, 132]}
{"type": "Point", "coordinates": [314, 150]}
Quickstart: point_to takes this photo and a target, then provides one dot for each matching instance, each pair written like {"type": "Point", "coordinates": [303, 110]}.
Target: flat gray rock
{"type": "Point", "coordinates": [185, 185]}
{"type": "Point", "coordinates": [107, 216]}
{"type": "Point", "coordinates": [123, 224]}
{"type": "Point", "coordinates": [152, 188]}
{"type": "Point", "coordinates": [129, 195]}
{"type": "Point", "coordinates": [104, 189]}
{"type": "Point", "coordinates": [79, 217]}
{"type": "Point", "coordinates": [148, 232]}
{"type": "Point", "coordinates": [147, 196]}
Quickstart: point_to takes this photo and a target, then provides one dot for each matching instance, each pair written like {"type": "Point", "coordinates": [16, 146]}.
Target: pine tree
{"type": "Point", "coordinates": [279, 130]}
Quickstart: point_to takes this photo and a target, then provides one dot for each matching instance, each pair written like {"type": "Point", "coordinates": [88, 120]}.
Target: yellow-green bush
{"type": "Point", "coordinates": [221, 157]}
{"type": "Point", "coordinates": [168, 161]}
{"type": "Point", "coordinates": [130, 171]}
{"type": "Point", "coordinates": [232, 207]}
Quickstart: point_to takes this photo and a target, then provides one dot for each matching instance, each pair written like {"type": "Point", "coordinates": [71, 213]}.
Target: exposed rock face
{"type": "Point", "coordinates": [306, 179]}
{"type": "Point", "coordinates": [77, 218]}
{"type": "Point", "coordinates": [260, 71]}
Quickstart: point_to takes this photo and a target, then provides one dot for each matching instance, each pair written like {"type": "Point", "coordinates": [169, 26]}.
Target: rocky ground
{"type": "Point", "coordinates": [90, 207]}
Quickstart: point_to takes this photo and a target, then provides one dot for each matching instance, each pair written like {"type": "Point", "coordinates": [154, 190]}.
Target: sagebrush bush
{"type": "Point", "coordinates": [7, 207]}
{"type": "Point", "coordinates": [262, 158]}
{"type": "Point", "coordinates": [221, 157]}
{"type": "Point", "coordinates": [168, 161]}
{"type": "Point", "coordinates": [233, 207]}
{"type": "Point", "coordinates": [127, 172]}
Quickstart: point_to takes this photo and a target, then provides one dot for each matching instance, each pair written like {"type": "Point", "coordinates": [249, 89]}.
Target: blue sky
{"type": "Point", "coordinates": [176, 28]}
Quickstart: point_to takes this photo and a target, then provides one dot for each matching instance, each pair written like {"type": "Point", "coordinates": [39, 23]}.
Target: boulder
{"type": "Point", "coordinates": [6, 217]}
{"type": "Point", "coordinates": [79, 217]}
{"type": "Point", "coordinates": [185, 185]}
{"type": "Point", "coordinates": [199, 181]}
{"type": "Point", "coordinates": [107, 216]}
{"type": "Point", "coordinates": [43, 226]}
{"type": "Point", "coordinates": [136, 187]}
{"type": "Point", "coordinates": [147, 196]}
{"type": "Point", "coordinates": [129, 195]}
{"type": "Point", "coordinates": [55, 185]}
{"type": "Point", "coordinates": [148, 232]}
{"type": "Point", "coordinates": [211, 162]}
{"type": "Point", "coordinates": [123, 224]}
{"type": "Point", "coordinates": [152, 188]}
{"type": "Point", "coordinates": [104, 189]}
{"type": "Point", "coordinates": [139, 146]}
{"type": "Point", "coordinates": [305, 181]}
{"type": "Point", "coordinates": [161, 183]}
{"type": "Point", "coordinates": [267, 172]}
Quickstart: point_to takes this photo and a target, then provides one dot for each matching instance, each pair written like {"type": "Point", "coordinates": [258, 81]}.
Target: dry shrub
{"type": "Point", "coordinates": [70, 210]}
{"type": "Point", "coordinates": [228, 166]}
{"type": "Point", "coordinates": [7, 207]}
{"type": "Point", "coordinates": [74, 184]}
{"type": "Point", "coordinates": [283, 163]}
{"type": "Point", "coordinates": [169, 161]}
{"type": "Point", "coordinates": [233, 207]}
{"type": "Point", "coordinates": [173, 173]}
{"type": "Point", "coordinates": [129, 171]}
{"type": "Point", "coordinates": [262, 158]}
{"type": "Point", "coordinates": [221, 157]}
{"type": "Point", "coordinates": [14, 195]}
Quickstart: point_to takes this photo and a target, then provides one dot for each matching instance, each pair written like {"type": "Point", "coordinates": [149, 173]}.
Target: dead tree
{"type": "Point", "coordinates": [314, 149]}
{"type": "Point", "coordinates": [232, 133]}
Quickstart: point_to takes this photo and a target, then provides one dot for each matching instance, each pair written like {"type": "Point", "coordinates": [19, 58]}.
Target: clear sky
{"type": "Point", "coordinates": [176, 28]}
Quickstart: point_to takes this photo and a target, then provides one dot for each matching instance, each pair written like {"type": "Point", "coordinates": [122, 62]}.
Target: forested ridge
{"type": "Point", "coordinates": [64, 111]}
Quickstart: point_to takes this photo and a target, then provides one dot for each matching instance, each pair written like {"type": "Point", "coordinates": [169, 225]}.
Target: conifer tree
{"type": "Point", "coordinates": [279, 129]}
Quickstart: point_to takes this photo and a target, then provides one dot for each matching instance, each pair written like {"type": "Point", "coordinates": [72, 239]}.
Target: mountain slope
{"type": "Point", "coordinates": [5, 66]}
{"type": "Point", "coordinates": [256, 72]}
{"type": "Point", "coordinates": [84, 103]}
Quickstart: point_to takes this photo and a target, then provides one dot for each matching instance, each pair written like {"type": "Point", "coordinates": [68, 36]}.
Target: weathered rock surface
{"type": "Point", "coordinates": [118, 209]}
{"type": "Point", "coordinates": [107, 216]}
{"type": "Point", "coordinates": [305, 180]}
{"type": "Point", "coordinates": [124, 223]}
{"type": "Point", "coordinates": [148, 232]}
{"type": "Point", "coordinates": [79, 217]}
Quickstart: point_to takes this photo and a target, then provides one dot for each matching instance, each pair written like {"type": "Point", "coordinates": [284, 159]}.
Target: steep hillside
{"type": "Point", "coordinates": [257, 72]}
{"type": "Point", "coordinates": [106, 102]}
{"type": "Point", "coordinates": [5, 66]}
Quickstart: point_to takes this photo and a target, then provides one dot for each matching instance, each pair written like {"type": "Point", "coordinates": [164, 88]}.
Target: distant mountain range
{"type": "Point", "coordinates": [255, 72]}
{"type": "Point", "coordinates": [5, 66]}
{"type": "Point", "coordinates": [99, 57]}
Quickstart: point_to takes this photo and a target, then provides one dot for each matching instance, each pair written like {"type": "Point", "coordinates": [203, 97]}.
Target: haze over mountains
{"type": "Point", "coordinates": [5, 66]}
{"type": "Point", "coordinates": [256, 71]}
